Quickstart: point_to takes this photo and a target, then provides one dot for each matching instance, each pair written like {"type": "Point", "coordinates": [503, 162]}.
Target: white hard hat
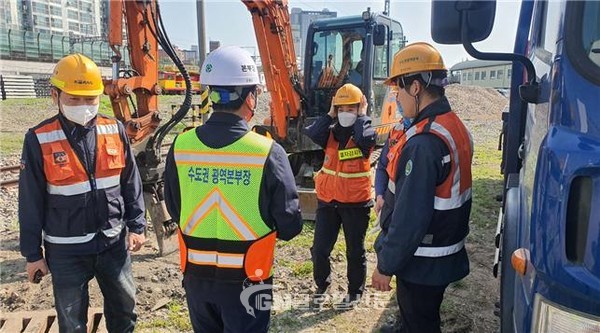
{"type": "Point", "coordinates": [229, 66]}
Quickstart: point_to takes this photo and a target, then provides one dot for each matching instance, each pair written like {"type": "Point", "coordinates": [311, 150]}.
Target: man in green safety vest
{"type": "Point", "coordinates": [233, 193]}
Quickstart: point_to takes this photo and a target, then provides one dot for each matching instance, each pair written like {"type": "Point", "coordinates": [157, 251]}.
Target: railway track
{"type": "Point", "coordinates": [9, 178]}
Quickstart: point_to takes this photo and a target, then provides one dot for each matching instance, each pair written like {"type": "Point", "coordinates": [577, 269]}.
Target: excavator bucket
{"type": "Point", "coordinates": [308, 203]}
{"type": "Point", "coordinates": [164, 228]}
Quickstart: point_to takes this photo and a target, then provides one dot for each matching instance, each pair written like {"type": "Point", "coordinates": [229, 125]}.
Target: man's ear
{"type": "Point", "coordinates": [54, 94]}
{"type": "Point", "coordinates": [415, 88]}
{"type": "Point", "coordinates": [250, 101]}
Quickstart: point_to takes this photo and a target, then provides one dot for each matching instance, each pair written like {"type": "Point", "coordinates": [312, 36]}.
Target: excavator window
{"type": "Point", "coordinates": [337, 59]}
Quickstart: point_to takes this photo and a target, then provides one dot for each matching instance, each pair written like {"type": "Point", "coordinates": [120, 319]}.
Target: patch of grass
{"type": "Point", "coordinates": [305, 239]}
{"type": "Point", "coordinates": [11, 143]}
{"type": "Point", "coordinates": [487, 184]}
{"type": "Point", "coordinates": [460, 284]}
{"type": "Point", "coordinates": [302, 269]}
{"type": "Point", "coordinates": [29, 102]}
{"type": "Point", "coordinates": [177, 319]}
{"type": "Point", "coordinates": [105, 106]}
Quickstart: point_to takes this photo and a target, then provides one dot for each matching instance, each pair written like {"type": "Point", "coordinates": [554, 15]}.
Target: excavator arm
{"type": "Point", "coordinates": [272, 27]}
{"type": "Point", "coordinates": [142, 79]}
{"type": "Point", "coordinates": [145, 32]}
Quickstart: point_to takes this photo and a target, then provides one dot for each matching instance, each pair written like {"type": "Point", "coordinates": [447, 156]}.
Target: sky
{"type": "Point", "coordinates": [230, 22]}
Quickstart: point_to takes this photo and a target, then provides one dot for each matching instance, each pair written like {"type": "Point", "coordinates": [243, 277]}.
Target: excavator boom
{"type": "Point", "coordinates": [142, 79]}
{"type": "Point", "coordinates": [272, 27]}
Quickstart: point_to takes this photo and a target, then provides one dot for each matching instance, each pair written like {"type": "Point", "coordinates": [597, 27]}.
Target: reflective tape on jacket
{"type": "Point", "coordinates": [112, 232]}
{"type": "Point", "coordinates": [442, 203]}
{"type": "Point", "coordinates": [345, 174]}
{"type": "Point", "coordinates": [230, 159]}
{"type": "Point", "coordinates": [442, 251]}
{"type": "Point", "coordinates": [83, 187]}
{"type": "Point", "coordinates": [226, 260]}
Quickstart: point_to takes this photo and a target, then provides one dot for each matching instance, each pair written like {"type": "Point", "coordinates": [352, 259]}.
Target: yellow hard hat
{"type": "Point", "coordinates": [347, 94]}
{"type": "Point", "coordinates": [415, 58]}
{"type": "Point", "coordinates": [78, 75]}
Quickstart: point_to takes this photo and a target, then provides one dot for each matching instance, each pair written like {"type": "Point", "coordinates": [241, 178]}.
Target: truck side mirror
{"type": "Point", "coordinates": [379, 34]}
{"type": "Point", "coordinates": [447, 20]}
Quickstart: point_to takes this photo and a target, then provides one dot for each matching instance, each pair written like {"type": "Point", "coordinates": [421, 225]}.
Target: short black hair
{"type": "Point", "coordinates": [434, 90]}
{"type": "Point", "coordinates": [234, 105]}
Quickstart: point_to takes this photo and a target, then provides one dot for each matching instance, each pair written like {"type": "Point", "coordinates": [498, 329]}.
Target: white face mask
{"type": "Point", "coordinates": [80, 114]}
{"type": "Point", "coordinates": [346, 119]}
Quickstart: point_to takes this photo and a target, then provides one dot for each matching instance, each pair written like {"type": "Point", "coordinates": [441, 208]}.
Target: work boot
{"type": "Point", "coordinates": [348, 302]}
{"type": "Point", "coordinates": [317, 299]}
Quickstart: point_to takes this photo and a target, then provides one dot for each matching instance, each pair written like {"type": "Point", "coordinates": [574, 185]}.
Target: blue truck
{"type": "Point", "coordinates": [548, 234]}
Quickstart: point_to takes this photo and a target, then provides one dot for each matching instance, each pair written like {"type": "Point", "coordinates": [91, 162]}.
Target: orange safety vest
{"type": "Point", "coordinates": [448, 229]}
{"type": "Point", "coordinates": [67, 177]}
{"type": "Point", "coordinates": [456, 189]}
{"type": "Point", "coordinates": [346, 174]}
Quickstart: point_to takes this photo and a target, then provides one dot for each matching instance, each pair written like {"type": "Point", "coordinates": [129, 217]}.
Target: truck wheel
{"type": "Point", "coordinates": [507, 273]}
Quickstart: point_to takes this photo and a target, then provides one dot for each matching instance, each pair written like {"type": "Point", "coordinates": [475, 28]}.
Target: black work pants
{"type": "Point", "coordinates": [419, 306]}
{"type": "Point", "coordinates": [354, 221]}
{"type": "Point", "coordinates": [233, 312]}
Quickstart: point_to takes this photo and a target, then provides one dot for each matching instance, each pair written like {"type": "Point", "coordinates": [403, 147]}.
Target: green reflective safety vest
{"type": "Point", "coordinates": [221, 232]}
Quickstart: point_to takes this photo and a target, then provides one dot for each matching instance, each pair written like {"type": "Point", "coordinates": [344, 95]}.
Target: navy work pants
{"type": "Point", "coordinates": [354, 221]}
{"type": "Point", "coordinates": [419, 306]}
{"type": "Point", "coordinates": [70, 277]}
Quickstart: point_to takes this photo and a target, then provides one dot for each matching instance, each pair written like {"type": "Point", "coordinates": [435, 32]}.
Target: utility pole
{"type": "Point", "coordinates": [201, 32]}
{"type": "Point", "coordinates": [386, 8]}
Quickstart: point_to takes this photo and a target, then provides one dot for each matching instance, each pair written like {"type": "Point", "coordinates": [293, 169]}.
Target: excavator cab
{"type": "Point", "coordinates": [357, 50]}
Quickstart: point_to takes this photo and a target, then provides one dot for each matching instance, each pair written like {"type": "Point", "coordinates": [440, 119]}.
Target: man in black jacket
{"type": "Point", "coordinates": [425, 215]}
{"type": "Point", "coordinates": [232, 193]}
{"type": "Point", "coordinates": [80, 191]}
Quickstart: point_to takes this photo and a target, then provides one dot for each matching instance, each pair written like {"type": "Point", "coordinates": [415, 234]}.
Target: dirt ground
{"type": "Point", "coordinates": [468, 306]}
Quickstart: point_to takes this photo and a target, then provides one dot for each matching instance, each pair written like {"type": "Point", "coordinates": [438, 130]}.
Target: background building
{"type": "Point", "coordinates": [482, 73]}
{"type": "Point", "coordinates": [213, 45]}
{"type": "Point", "coordinates": [300, 20]}
{"type": "Point", "coordinates": [64, 17]}
{"type": "Point", "coordinates": [9, 14]}
{"type": "Point", "coordinates": [46, 30]}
